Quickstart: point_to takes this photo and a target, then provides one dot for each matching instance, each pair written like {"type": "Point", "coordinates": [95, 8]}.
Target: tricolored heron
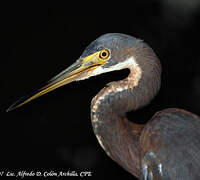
{"type": "Point", "coordinates": [168, 146]}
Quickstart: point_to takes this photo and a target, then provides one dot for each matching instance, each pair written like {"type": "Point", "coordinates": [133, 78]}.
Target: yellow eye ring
{"type": "Point", "coordinates": [104, 54]}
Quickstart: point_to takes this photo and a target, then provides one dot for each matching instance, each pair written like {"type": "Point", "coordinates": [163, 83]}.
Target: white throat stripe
{"type": "Point", "coordinates": [126, 64]}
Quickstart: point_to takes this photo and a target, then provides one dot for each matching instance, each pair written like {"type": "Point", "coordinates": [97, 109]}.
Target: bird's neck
{"type": "Point", "coordinates": [118, 136]}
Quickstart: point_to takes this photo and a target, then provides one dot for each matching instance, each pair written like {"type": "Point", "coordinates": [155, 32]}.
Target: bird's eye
{"type": "Point", "coordinates": [104, 54]}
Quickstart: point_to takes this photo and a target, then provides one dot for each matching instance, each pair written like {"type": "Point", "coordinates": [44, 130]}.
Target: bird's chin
{"type": "Point", "coordinates": [88, 73]}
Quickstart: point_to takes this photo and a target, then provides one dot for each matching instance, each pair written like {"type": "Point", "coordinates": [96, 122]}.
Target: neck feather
{"type": "Point", "coordinates": [117, 136]}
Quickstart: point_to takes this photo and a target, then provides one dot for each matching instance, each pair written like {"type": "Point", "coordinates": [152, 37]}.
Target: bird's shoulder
{"type": "Point", "coordinates": [170, 146]}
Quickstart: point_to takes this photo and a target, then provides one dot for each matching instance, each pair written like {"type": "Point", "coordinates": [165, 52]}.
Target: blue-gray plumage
{"type": "Point", "coordinates": [168, 146]}
{"type": "Point", "coordinates": [172, 136]}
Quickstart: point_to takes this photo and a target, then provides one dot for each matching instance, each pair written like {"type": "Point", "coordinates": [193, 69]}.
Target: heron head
{"type": "Point", "coordinates": [107, 53]}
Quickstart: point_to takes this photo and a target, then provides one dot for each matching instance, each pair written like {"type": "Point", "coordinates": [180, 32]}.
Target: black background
{"type": "Point", "coordinates": [54, 132]}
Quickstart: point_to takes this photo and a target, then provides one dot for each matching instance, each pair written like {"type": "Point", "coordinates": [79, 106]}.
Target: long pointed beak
{"type": "Point", "coordinates": [81, 69]}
